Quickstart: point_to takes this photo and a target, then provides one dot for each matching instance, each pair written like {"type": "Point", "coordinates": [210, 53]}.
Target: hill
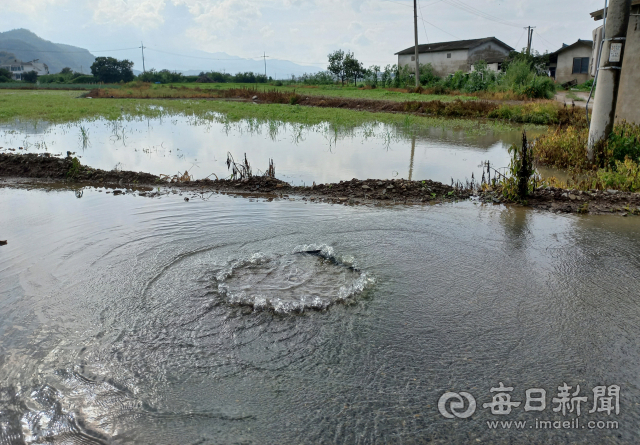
{"type": "Point", "coordinates": [192, 62]}
{"type": "Point", "coordinates": [26, 46]}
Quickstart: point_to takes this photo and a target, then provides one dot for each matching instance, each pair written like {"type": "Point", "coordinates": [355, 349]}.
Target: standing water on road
{"type": "Point", "coordinates": [159, 321]}
{"type": "Point", "coordinates": [302, 153]}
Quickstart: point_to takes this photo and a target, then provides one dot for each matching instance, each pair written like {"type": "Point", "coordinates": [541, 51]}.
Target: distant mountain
{"type": "Point", "coordinates": [194, 62]}
{"type": "Point", "coordinates": [7, 57]}
{"type": "Point", "coordinates": [26, 46]}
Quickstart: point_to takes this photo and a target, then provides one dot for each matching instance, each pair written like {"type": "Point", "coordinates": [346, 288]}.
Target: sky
{"type": "Point", "coordinates": [302, 31]}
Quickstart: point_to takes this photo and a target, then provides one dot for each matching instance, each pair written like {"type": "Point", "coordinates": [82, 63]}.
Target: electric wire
{"type": "Point", "coordinates": [470, 9]}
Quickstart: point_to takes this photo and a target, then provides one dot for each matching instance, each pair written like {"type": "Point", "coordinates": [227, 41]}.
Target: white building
{"type": "Point", "coordinates": [448, 57]}
{"type": "Point", "coordinates": [18, 68]}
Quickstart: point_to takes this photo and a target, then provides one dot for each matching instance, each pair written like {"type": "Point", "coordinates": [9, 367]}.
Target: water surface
{"type": "Point", "coordinates": [302, 154]}
{"type": "Point", "coordinates": [114, 328]}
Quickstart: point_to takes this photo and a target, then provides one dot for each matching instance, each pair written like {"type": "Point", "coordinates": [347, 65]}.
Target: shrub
{"type": "Point", "coordinates": [84, 79]}
{"type": "Point", "coordinates": [5, 75]}
{"type": "Point", "coordinates": [624, 176]}
{"type": "Point", "coordinates": [563, 148]}
{"type": "Point", "coordinates": [624, 142]}
{"type": "Point", "coordinates": [30, 76]}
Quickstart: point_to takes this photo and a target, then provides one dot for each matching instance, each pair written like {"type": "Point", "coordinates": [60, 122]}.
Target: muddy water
{"type": "Point", "coordinates": [302, 154]}
{"type": "Point", "coordinates": [135, 320]}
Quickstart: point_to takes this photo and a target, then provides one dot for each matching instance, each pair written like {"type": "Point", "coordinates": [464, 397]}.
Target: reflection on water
{"type": "Point", "coordinates": [113, 329]}
{"type": "Point", "coordinates": [302, 153]}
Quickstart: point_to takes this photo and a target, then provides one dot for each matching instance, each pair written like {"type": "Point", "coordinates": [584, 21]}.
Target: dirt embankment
{"type": "Point", "coordinates": [370, 191]}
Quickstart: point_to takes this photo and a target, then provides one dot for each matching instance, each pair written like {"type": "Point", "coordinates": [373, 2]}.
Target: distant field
{"type": "Point", "coordinates": [327, 90]}
{"type": "Point", "coordinates": [69, 107]}
{"type": "Point", "coordinates": [54, 86]}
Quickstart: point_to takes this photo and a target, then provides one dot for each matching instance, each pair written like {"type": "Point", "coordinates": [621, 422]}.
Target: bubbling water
{"type": "Point", "coordinates": [312, 277]}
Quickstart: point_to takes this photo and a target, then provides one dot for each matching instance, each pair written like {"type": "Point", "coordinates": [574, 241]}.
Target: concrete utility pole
{"type": "Point", "coordinates": [142, 46]}
{"type": "Point", "coordinates": [604, 106]}
{"type": "Point", "coordinates": [415, 32]}
{"type": "Point", "coordinates": [264, 56]}
{"type": "Point", "coordinates": [529, 38]}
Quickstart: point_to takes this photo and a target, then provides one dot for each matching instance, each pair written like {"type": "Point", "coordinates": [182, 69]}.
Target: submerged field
{"type": "Point", "coordinates": [71, 106]}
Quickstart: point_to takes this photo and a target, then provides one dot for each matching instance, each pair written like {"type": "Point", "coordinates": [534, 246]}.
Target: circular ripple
{"type": "Point", "coordinates": [310, 278]}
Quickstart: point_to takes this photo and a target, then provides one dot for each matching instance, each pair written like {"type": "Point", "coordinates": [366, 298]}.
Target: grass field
{"type": "Point", "coordinates": [331, 91]}
{"type": "Point", "coordinates": [178, 90]}
{"type": "Point", "coordinates": [68, 107]}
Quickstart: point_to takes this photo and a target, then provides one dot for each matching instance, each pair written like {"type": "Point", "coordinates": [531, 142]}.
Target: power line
{"type": "Point", "coordinates": [479, 13]}
{"type": "Point", "coordinates": [411, 6]}
{"type": "Point", "coordinates": [545, 40]}
{"type": "Point", "coordinates": [197, 57]}
{"type": "Point", "coordinates": [423, 24]}
{"type": "Point", "coordinates": [516, 47]}
{"type": "Point", "coordinates": [429, 23]}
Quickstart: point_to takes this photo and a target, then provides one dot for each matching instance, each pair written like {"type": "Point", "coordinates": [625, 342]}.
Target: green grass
{"type": "Point", "coordinates": [328, 90]}
{"type": "Point", "coordinates": [54, 86]}
{"type": "Point", "coordinates": [67, 107]}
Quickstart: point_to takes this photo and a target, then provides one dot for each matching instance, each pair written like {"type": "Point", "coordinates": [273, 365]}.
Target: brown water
{"type": "Point", "coordinates": [134, 320]}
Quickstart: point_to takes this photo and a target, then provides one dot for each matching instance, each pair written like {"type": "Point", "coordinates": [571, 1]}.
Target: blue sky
{"type": "Point", "coordinates": [304, 31]}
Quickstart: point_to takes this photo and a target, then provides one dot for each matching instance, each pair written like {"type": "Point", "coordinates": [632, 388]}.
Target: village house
{"type": "Point", "coordinates": [627, 107]}
{"type": "Point", "coordinates": [18, 68]}
{"type": "Point", "coordinates": [572, 63]}
{"type": "Point", "coordinates": [448, 57]}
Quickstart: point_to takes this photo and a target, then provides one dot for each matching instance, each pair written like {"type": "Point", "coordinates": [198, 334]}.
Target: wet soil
{"type": "Point", "coordinates": [46, 168]}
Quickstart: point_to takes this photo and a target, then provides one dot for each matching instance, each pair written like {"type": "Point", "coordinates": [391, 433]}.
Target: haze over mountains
{"type": "Point", "coordinates": [26, 46]}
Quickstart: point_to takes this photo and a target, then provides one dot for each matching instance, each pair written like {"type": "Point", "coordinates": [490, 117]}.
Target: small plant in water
{"type": "Point", "coordinates": [74, 170]}
{"type": "Point", "coordinates": [84, 137]}
{"type": "Point", "coordinates": [239, 170]}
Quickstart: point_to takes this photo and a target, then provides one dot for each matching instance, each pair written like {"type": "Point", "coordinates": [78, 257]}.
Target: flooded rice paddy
{"type": "Point", "coordinates": [158, 321]}
{"type": "Point", "coordinates": [303, 154]}
{"type": "Point", "coordinates": [131, 320]}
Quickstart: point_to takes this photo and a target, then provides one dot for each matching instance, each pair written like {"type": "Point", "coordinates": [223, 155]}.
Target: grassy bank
{"type": "Point", "coordinates": [66, 106]}
{"type": "Point", "coordinates": [539, 112]}
{"type": "Point", "coordinates": [206, 90]}
{"type": "Point", "coordinates": [616, 164]}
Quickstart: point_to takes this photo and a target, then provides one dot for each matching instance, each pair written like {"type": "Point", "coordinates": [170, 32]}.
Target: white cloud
{"type": "Point", "coordinates": [28, 6]}
{"type": "Point", "coordinates": [142, 14]}
{"type": "Point", "coordinates": [266, 32]}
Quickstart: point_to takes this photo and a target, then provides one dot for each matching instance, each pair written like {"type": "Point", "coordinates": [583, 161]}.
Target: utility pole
{"type": "Point", "coordinates": [415, 33]}
{"type": "Point", "coordinates": [142, 46]}
{"type": "Point", "coordinates": [264, 56]}
{"type": "Point", "coordinates": [604, 106]}
{"type": "Point", "coordinates": [529, 38]}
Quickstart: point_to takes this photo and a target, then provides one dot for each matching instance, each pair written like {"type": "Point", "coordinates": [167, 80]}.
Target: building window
{"type": "Point", "coordinates": [448, 55]}
{"type": "Point", "coordinates": [413, 58]}
{"type": "Point", "coordinates": [580, 65]}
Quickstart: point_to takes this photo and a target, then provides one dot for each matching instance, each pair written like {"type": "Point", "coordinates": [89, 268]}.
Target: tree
{"type": "Point", "coordinates": [30, 76]}
{"type": "Point", "coordinates": [5, 75]}
{"type": "Point", "coordinates": [111, 70]}
{"type": "Point", "coordinates": [372, 76]}
{"type": "Point", "coordinates": [66, 70]}
{"type": "Point", "coordinates": [336, 64]}
{"type": "Point", "coordinates": [352, 68]}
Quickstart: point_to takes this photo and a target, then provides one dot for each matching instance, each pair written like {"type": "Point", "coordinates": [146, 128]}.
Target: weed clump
{"type": "Point", "coordinates": [74, 169]}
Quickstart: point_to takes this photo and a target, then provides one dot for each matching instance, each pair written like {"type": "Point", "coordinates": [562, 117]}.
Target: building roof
{"type": "Point", "coordinates": [452, 46]}
{"type": "Point", "coordinates": [597, 15]}
{"type": "Point", "coordinates": [578, 42]}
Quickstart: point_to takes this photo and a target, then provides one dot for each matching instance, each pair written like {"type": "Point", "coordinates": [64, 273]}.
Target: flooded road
{"type": "Point", "coordinates": [302, 154]}
{"type": "Point", "coordinates": [136, 320]}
